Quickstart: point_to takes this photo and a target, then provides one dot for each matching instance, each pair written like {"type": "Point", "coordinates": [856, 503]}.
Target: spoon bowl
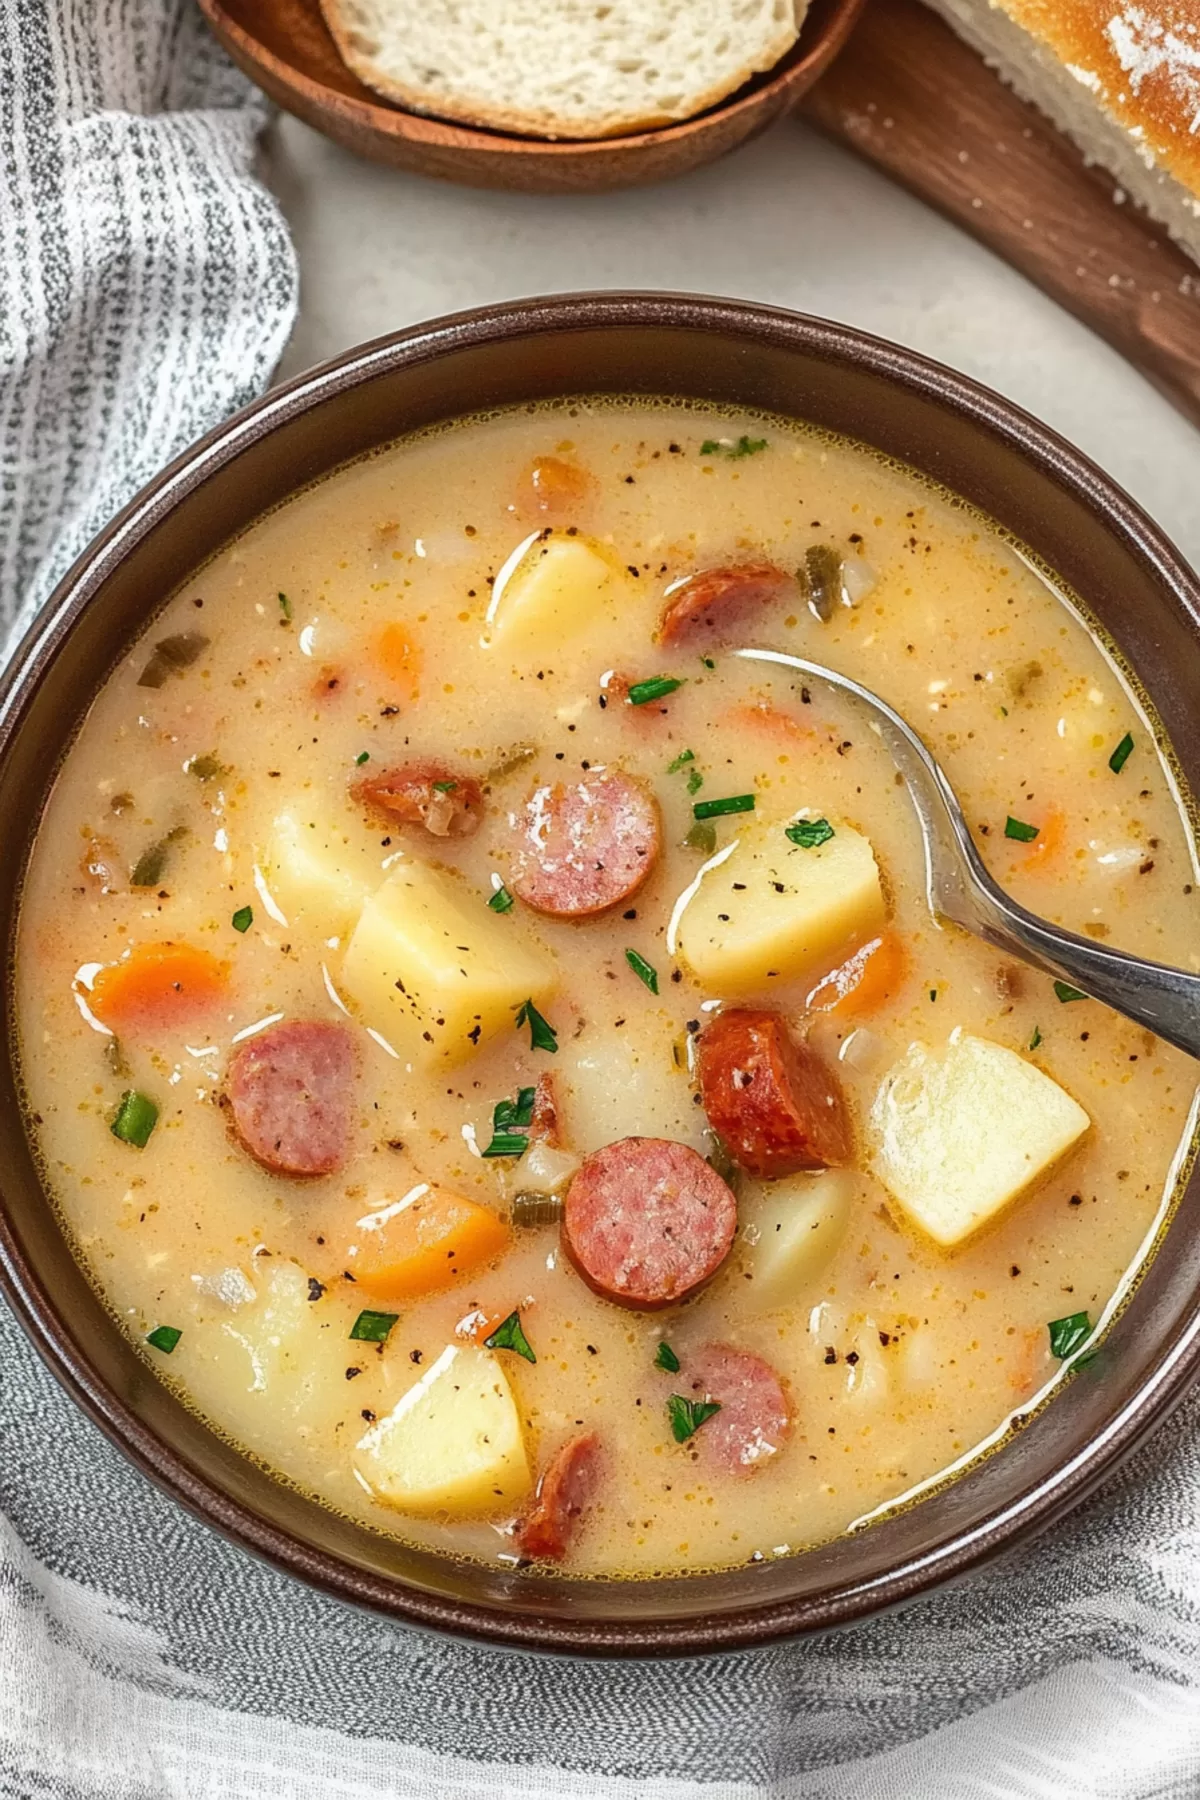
{"type": "Point", "coordinates": [960, 889]}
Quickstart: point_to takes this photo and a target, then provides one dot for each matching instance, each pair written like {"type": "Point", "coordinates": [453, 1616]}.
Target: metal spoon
{"type": "Point", "coordinates": [1166, 1001]}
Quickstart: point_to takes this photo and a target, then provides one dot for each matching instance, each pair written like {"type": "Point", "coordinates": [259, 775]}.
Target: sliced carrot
{"type": "Point", "coordinates": [397, 651]}
{"type": "Point", "coordinates": [783, 727]}
{"type": "Point", "coordinates": [868, 978]}
{"type": "Point", "coordinates": [158, 985]}
{"type": "Point", "coordinates": [424, 1243]}
{"type": "Point", "coordinates": [1052, 835]}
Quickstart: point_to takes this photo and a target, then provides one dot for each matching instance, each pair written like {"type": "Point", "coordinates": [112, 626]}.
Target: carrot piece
{"type": "Point", "coordinates": [158, 986]}
{"type": "Point", "coordinates": [865, 980]}
{"type": "Point", "coordinates": [1050, 839]}
{"type": "Point", "coordinates": [397, 652]}
{"type": "Point", "coordinates": [423, 1243]}
{"type": "Point", "coordinates": [553, 488]}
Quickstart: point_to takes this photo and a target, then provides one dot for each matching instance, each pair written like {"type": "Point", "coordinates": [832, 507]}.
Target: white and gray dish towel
{"type": "Point", "coordinates": [147, 287]}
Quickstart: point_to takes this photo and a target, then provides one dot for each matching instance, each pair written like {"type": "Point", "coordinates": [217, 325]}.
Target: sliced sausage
{"type": "Point", "coordinates": [714, 605]}
{"type": "Point", "coordinates": [769, 1097]}
{"type": "Point", "coordinates": [647, 1222]}
{"type": "Point", "coordinates": [585, 847]}
{"type": "Point", "coordinates": [543, 1125]}
{"type": "Point", "coordinates": [566, 1489]}
{"type": "Point", "coordinates": [443, 802]}
{"type": "Point", "coordinates": [290, 1090]}
{"type": "Point", "coordinates": [754, 1420]}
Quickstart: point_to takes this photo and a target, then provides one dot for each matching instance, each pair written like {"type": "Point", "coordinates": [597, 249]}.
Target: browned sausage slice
{"type": "Point", "coordinates": [647, 1222]}
{"type": "Point", "coordinates": [564, 1493]}
{"type": "Point", "coordinates": [290, 1091]}
{"type": "Point", "coordinates": [754, 1420]}
{"type": "Point", "coordinates": [586, 847]}
{"type": "Point", "coordinates": [443, 802]}
{"type": "Point", "coordinates": [769, 1097]}
{"type": "Point", "coordinates": [715, 604]}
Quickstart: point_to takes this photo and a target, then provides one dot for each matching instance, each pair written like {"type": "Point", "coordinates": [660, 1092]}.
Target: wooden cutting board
{"type": "Point", "coordinates": [912, 98]}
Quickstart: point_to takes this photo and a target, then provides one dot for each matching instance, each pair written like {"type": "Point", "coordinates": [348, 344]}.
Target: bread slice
{"type": "Point", "coordinates": [1122, 79]}
{"type": "Point", "coordinates": [561, 68]}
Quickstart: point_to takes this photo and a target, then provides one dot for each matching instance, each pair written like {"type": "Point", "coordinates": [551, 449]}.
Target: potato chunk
{"type": "Point", "coordinates": [790, 1231]}
{"type": "Point", "coordinates": [452, 1443]}
{"type": "Point", "coordinates": [560, 587]}
{"type": "Point", "coordinates": [317, 870]}
{"type": "Point", "coordinates": [434, 971]}
{"type": "Point", "coordinates": [961, 1132]}
{"type": "Point", "coordinates": [773, 910]}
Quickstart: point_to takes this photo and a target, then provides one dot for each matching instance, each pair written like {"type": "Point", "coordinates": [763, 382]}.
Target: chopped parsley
{"type": "Point", "coordinates": [135, 1119]}
{"type": "Point", "coordinates": [509, 1336]}
{"type": "Point", "coordinates": [695, 781]}
{"type": "Point", "coordinates": [511, 1120]}
{"type": "Point", "coordinates": [657, 687]}
{"type": "Point", "coordinates": [716, 809]}
{"type": "Point", "coordinates": [151, 865]}
{"type": "Point", "coordinates": [506, 1143]}
{"type": "Point", "coordinates": [1036, 1039]}
{"type": "Point", "coordinates": [373, 1327]}
{"type": "Point", "coordinates": [1064, 992]}
{"type": "Point", "coordinates": [285, 607]}
{"type": "Point", "coordinates": [745, 446]}
{"type": "Point", "coordinates": [702, 836]}
{"type": "Point", "coordinates": [362, 757]}
{"type": "Point", "coordinates": [1121, 754]}
{"type": "Point", "coordinates": [665, 1358]}
{"type": "Point", "coordinates": [164, 1338]}
{"type": "Point", "coordinates": [444, 787]}
{"type": "Point", "coordinates": [501, 901]}
{"type": "Point", "coordinates": [243, 918]}
{"type": "Point", "coordinates": [542, 1035]}
{"type": "Point", "coordinates": [685, 756]}
{"type": "Point", "coordinates": [1067, 1334]}
{"type": "Point", "coordinates": [643, 970]}
{"type": "Point", "coordinates": [1017, 828]}
{"type": "Point", "coordinates": [808, 833]}
{"type": "Point", "coordinates": [687, 1416]}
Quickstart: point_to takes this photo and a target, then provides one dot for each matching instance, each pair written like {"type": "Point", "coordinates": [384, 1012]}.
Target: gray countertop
{"type": "Point", "coordinates": [790, 219]}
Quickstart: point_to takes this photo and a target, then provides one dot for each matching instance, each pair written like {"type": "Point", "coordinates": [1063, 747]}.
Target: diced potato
{"type": "Point", "coordinates": [560, 587]}
{"type": "Point", "coordinates": [274, 1349]}
{"type": "Point", "coordinates": [615, 1084]}
{"type": "Point", "coordinates": [961, 1132]}
{"type": "Point", "coordinates": [423, 1242]}
{"type": "Point", "coordinates": [790, 1231]}
{"type": "Point", "coordinates": [434, 971]}
{"type": "Point", "coordinates": [452, 1443]}
{"type": "Point", "coordinates": [317, 871]}
{"type": "Point", "coordinates": [774, 911]}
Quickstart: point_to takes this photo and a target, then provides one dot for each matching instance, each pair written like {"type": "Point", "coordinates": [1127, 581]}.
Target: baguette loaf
{"type": "Point", "coordinates": [1122, 80]}
{"type": "Point", "coordinates": [561, 68]}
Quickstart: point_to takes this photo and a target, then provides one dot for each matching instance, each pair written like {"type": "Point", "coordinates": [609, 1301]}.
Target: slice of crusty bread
{"type": "Point", "coordinates": [1122, 79]}
{"type": "Point", "coordinates": [561, 68]}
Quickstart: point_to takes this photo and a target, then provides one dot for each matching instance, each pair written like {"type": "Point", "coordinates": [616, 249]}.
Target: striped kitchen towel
{"type": "Point", "coordinates": [146, 288]}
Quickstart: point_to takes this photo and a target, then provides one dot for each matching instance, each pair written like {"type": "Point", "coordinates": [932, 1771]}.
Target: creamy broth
{"type": "Point", "coordinates": [347, 635]}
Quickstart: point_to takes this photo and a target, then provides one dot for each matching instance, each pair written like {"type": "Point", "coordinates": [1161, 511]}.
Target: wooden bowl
{"type": "Point", "coordinates": [284, 46]}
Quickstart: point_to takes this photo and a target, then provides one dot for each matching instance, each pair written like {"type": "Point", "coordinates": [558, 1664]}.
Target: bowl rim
{"type": "Point", "coordinates": [756, 1624]}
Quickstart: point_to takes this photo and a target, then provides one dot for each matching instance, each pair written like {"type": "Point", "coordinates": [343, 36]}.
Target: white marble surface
{"type": "Point", "coordinates": [791, 219]}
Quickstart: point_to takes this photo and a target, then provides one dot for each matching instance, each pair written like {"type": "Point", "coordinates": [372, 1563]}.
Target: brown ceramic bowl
{"type": "Point", "coordinates": [285, 47]}
{"type": "Point", "coordinates": [936, 421]}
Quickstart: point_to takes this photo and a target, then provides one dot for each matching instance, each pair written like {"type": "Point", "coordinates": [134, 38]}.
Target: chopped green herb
{"type": "Point", "coordinates": [171, 656]}
{"type": "Point", "coordinates": [1017, 828]}
{"type": "Point", "coordinates": [362, 757]}
{"type": "Point", "coordinates": [1121, 754]}
{"type": "Point", "coordinates": [207, 767]}
{"type": "Point", "coordinates": [285, 607]}
{"type": "Point", "coordinates": [716, 809]}
{"type": "Point", "coordinates": [501, 900]}
{"type": "Point", "coordinates": [542, 1035]}
{"type": "Point", "coordinates": [164, 1338]}
{"type": "Point", "coordinates": [135, 1118]}
{"type": "Point", "coordinates": [808, 833]}
{"type": "Point", "coordinates": [509, 1336]}
{"type": "Point", "coordinates": [702, 836]}
{"type": "Point", "coordinates": [745, 446]}
{"type": "Point", "coordinates": [665, 1358]}
{"type": "Point", "coordinates": [685, 756]}
{"type": "Point", "coordinates": [444, 787]}
{"type": "Point", "coordinates": [373, 1327]}
{"type": "Point", "coordinates": [517, 1112]}
{"type": "Point", "coordinates": [1036, 1039]}
{"type": "Point", "coordinates": [243, 918]}
{"type": "Point", "coordinates": [1066, 992]}
{"type": "Point", "coordinates": [643, 970]}
{"type": "Point", "coordinates": [687, 1416]}
{"type": "Point", "coordinates": [656, 688]}
{"type": "Point", "coordinates": [695, 782]}
{"type": "Point", "coordinates": [1067, 1334]}
{"type": "Point", "coordinates": [507, 1143]}
{"type": "Point", "coordinates": [820, 578]}
{"type": "Point", "coordinates": [151, 865]}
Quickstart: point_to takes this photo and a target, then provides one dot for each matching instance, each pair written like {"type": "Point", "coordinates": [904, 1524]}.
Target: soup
{"type": "Point", "coordinates": [487, 1039]}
